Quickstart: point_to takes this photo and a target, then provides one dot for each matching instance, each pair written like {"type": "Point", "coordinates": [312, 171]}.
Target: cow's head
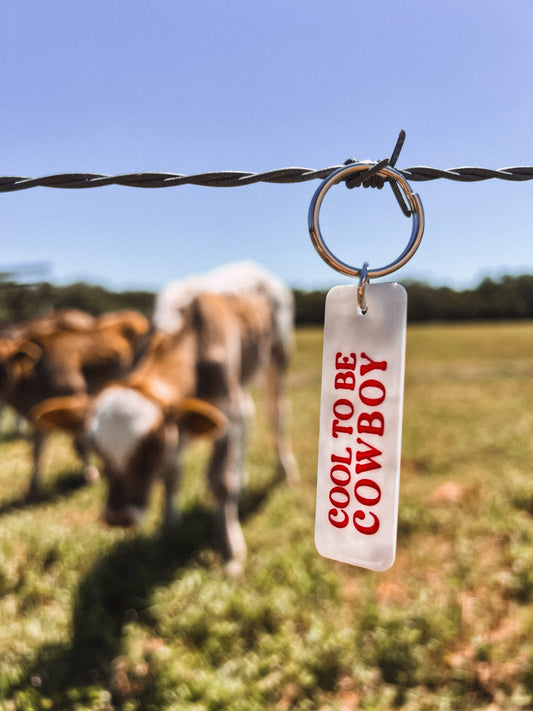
{"type": "Point", "coordinates": [136, 437]}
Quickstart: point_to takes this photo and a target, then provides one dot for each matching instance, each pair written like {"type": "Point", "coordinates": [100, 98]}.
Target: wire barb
{"type": "Point", "coordinates": [370, 179]}
{"type": "Point", "coordinates": [394, 185]}
{"type": "Point", "coordinates": [397, 149]}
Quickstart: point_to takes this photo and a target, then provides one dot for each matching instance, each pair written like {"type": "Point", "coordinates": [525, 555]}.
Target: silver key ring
{"type": "Point", "coordinates": [415, 205]}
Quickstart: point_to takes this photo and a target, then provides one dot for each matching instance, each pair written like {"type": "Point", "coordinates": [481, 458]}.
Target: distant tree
{"type": "Point", "coordinates": [508, 298]}
{"type": "Point", "coordinates": [21, 301]}
{"type": "Point", "coordinates": [309, 307]}
{"type": "Point", "coordinates": [97, 300]}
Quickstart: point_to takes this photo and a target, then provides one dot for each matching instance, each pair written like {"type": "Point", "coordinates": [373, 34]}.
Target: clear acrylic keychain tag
{"type": "Point", "coordinates": [360, 425]}
{"type": "Point", "coordinates": [361, 400]}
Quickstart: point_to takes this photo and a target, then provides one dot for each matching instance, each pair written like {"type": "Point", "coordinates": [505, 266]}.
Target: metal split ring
{"type": "Point", "coordinates": [415, 205]}
{"type": "Point", "coordinates": [363, 281]}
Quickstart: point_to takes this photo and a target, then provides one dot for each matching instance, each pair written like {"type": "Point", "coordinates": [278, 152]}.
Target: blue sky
{"type": "Point", "coordinates": [118, 86]}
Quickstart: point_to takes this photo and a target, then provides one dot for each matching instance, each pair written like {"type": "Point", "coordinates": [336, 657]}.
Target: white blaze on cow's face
{"type": "Point", "coordinates": [121, 418]}
{"type": "Point", "coordinates": [126, 429]}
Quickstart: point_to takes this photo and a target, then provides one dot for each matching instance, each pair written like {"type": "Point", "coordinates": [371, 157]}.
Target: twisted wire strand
{"type": "Point", "coordinates": [228, 178]}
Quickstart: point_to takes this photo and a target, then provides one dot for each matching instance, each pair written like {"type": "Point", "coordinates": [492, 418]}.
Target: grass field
{"type": "Point", "coordinates": [100, 619]}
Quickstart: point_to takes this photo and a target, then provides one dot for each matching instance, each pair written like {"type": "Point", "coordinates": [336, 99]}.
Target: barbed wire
{"type": "Point", "coordinates": [233, 178]}
{"type": "Point", "coordinates": [229, 179]}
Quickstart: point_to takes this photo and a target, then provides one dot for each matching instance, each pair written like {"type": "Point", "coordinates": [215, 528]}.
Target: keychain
{"type": "Point", "coordinates": [361, 397]}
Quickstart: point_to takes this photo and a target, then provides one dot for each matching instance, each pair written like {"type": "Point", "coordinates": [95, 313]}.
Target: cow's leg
{"type": "Point", "coordinates": [279, 408]}
{"type": "Point", "coordinates": [90, 471]}
{"type": "Point", "coordinates": [225, 479]}
{"type": "Point", "coordinates": [171, 477]}
{"type": "Point", "coordinates": [19, 425]}
{"type": "Point", "coordinates": [36, 483]}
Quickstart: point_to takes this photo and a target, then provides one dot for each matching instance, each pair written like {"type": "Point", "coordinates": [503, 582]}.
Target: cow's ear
{"type": "Point", "coordinates": [7, 347]}
{"type": "Point", "coordinates": [200, 418]}
{"type": "Point", "coordinates": [61, 413]}
{"type": "Point", "coordinates": [24, 359]}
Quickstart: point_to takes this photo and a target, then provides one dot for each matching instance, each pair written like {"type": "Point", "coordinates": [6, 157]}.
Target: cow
{"type": "Point", "coordinates": [212, 336]}
{"type": "Point", "coordinates": [63, 353]}
{"type": "Point", "coordinates": [16, 337]}
{"type": "Point", "coordinates": [47, 323]}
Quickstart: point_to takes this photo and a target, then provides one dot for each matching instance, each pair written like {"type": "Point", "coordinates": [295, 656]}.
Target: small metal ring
{"type": "Point", "coordinates": [361, 296]}
{"type": "Point", "coordinates": [412, 198]}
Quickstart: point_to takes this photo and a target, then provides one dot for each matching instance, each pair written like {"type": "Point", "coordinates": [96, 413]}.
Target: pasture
{"type": "Point", "coordinates": [101, 619]}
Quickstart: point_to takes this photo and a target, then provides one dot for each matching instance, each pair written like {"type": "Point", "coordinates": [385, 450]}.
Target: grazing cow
{"type": "Point", "coordinates": [213, 335]}
{"type": "Point", "coordinates": [47, 323]}
{"type": "Point", "coordinates": [64, 353]}
{"type": "Point", "coordinates": [16, 337]}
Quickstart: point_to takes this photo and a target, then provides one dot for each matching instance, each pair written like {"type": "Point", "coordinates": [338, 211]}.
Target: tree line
{"type": "Point", "coordinates": [21, 301]}
{"type": "Point", "coordinates": [509, 297]}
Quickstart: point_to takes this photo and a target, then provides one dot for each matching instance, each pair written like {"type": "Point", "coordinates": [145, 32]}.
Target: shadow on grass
{"type": "Point", "coordinates": [65, 485]}
{"type": "Point", "coordinates": [8, 436]}
{"type": "Point", "coordinates": [117, 590]}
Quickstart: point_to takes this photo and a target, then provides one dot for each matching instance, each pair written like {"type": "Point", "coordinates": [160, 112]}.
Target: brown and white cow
{"type": "Point", "coordinates": [214, 335]}
{"type": "Point", "coordinates": [63, 353]}
{"type": "Point", "coordinates": [18, 353]}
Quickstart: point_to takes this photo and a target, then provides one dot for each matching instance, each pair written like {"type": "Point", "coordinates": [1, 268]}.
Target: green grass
{"type": "Point", "coordinates": [100, 619]}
